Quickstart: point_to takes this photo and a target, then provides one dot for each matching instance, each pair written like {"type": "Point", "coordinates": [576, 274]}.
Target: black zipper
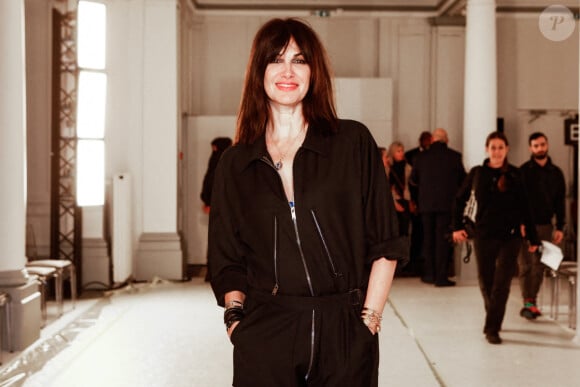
{"type": "Point", "coordinates": [298, 242]}
{"type": "Point", "coordinates": [306, 271]}
{"type": "Point", "coordinates": [312, 337]}
{"type": "Point", "coordinates": [325, 245]}
{"type": "Point", "coordinates": [275, 290]}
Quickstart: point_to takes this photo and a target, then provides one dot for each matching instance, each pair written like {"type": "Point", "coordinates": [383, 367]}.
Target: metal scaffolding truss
{"type": "Point", "coordinates": [66, 215]}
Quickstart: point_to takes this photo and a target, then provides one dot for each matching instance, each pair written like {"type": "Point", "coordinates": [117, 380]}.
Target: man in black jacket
{"type": "Point", "coordinates": [425, 140]}
{"type": "Point", "coordinates": [416, 261]}
{"type": "Point", "coordinates": [546, 189]}
{"type": "Point", "coordinates": [218, 146]}
{"type": "Point", "coordinates": [437, 174]}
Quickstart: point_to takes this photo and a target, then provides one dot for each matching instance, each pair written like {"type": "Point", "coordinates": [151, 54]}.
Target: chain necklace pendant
{"type": "Point", "coordinates": [278, 165]}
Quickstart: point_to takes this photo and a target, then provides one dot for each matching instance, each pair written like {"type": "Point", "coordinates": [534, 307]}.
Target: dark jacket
{"type": "Point", "coordinates": [437, 173]}
{"type": "Point", "coordinates": [344, 217]}
{"type": "Point", "coordinates": [219, 145]}
{"type": "Point", "coordinates": [499, 214]}
{"type": "Point", "coordinates": [546, 189]}
{"type": "Point", "coordinates": [412, 153]}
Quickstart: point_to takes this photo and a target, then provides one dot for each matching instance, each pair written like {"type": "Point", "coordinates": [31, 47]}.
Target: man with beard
{"type": "Point", "coordinates": [546, 189]}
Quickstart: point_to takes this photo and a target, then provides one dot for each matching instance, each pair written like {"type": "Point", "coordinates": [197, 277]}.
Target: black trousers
{"type": "Point", "coordinates": [437, 247]}
{"type": "Point", "coordinates": [304, 341]}
{"type": "Point", "coordinates": [416, 262]}
{"type": "Point", "coordinates": [496, 265]}
{"type": "Point", "coordinates": [404, 221]}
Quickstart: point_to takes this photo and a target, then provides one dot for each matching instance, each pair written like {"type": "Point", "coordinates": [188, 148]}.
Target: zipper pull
{"type": "Point", "coordinates": [292, 210]}
{"type": "Point", "coordinates": [275, 290]}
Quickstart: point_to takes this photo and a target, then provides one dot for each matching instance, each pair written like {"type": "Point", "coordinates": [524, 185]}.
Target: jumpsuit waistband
{"type": "Point", "coordinates": [351, 298]}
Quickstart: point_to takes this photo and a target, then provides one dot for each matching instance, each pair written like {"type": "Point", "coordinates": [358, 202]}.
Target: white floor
{"type": "Point", "coordinates": [170, 335]}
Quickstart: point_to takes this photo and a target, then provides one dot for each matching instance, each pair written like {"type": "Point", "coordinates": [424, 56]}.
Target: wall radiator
{"type": "Point", "coordinates": [122, 253]}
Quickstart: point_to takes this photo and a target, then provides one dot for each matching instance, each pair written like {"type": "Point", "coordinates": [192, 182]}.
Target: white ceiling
{"type": "Point", "coordinates": [439, 7]}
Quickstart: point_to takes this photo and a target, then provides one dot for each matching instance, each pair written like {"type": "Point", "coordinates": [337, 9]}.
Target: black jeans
{"type": "Point", "coordinates": [287, 341]}
{"type": "Point", "coordinates": [496, 266]}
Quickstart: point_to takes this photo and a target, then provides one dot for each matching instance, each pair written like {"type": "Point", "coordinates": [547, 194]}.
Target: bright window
{"type": "Point", "coordinates": [92, 97]}
{"type": "Point", "coordinates": [91, 34]}
{"type": "Point", "coordinates": [90, 172]}
{"type": "Point", "coordinates": [91, 103]}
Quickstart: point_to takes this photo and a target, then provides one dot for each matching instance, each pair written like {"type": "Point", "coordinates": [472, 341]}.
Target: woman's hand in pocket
{"type": "Point", "coordinates": [231, 329]}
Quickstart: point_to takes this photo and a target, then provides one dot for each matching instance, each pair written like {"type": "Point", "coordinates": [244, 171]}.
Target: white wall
{"type": "Point", "coordinates": [198, 132]}
{"type": "Point", "coordinates": [412, 84]}
{"type": "Point", "coordinates": [424, 63]}
{"type": "Point", "coordinates": [370, 101]}
{"type": "Point", "coordinates": [448, 43]}
{"type": "Point", "coordinates": [536, 73]}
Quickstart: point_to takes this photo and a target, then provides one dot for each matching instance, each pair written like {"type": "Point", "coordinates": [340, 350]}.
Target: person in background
{"type": "Point", "coordinates": [425, 140]}
{"type": "Point", "coordinates": [437, 174]}
{"type": "Point", "coordinates": [303, 235]}
{"type": "Point", "coordinates": [218, 146]}
{"type": "Point", "coordinates": [502, 207]}
{"type": "Point", "coordinates": [384, 157]}
{"type": "Point", "coordinates": [398, 172]}
{"type": "Point", "coordinates": [416, 262]}
{"type": "Point", "coordinates": [546, 189]}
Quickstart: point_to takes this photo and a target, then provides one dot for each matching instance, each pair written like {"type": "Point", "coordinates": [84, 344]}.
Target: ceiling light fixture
{"type": "Point", "coordinates": [321, 12]}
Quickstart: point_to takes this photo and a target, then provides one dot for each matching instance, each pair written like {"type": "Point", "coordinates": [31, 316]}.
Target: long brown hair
{"type": "Point", "coordinates": [318, 104]}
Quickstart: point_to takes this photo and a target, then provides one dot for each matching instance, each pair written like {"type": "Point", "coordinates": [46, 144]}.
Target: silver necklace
{"type": "Point", "coordinates": [279, 164]}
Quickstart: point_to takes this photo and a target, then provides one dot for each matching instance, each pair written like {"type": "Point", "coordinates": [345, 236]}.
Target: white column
{"type": "Point", "coordinates": [14, 280]}
{"type": "Point", "coordinates": [12, 143]}
{"type": "Point", "coordinates": [159, 252]}
{"type": "Point", "coordinates": [160, 112]}
{"type": "Point", "coordinates": [480, 99]}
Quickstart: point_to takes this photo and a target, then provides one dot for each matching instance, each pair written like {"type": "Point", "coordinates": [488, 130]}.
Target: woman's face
{"type": "Point", "coordinates": [497, 151]}
{"type": "Point", "coordinates": [399, 154]}
{"type": "Point", "coordinates": [287, 78]}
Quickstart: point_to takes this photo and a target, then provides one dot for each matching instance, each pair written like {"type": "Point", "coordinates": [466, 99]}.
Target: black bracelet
{"type": "Point", "coordinates": [233, 314]}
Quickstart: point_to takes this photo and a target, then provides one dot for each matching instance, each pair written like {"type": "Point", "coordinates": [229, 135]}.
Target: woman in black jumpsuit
{"type": "Point", "coordinates": [303, 239]}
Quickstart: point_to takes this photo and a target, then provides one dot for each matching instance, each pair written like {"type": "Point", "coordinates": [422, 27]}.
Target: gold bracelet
{"type": "Point", "coordinates": [371, 319]}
